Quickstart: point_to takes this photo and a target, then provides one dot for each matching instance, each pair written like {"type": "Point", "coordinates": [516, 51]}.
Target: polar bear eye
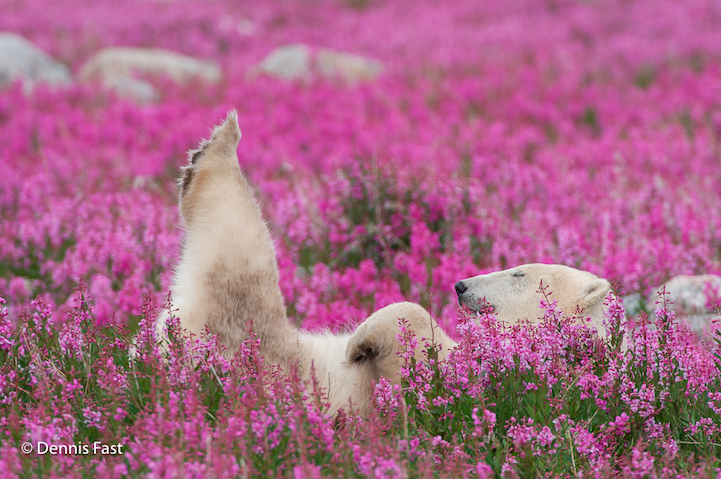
{"type": "Point", "coordinates": [518, 274]}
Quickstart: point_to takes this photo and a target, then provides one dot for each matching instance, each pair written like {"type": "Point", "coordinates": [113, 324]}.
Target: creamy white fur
{"type": "Point", "coordinates": [514, 295]}
{"type": "Point", "coordinates": [228, 276]}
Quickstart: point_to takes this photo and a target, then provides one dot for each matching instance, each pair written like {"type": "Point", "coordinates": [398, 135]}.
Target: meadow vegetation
{"type": "Point", "coordinates": [586, 133]}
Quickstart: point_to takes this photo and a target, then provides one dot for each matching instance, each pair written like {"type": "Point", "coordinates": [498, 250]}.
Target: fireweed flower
{"type": "Point", "coordinates": [595, 146]}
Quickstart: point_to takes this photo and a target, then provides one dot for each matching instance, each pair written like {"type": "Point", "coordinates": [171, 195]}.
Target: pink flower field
{"type": "Point", "coordinates": [581, 132]}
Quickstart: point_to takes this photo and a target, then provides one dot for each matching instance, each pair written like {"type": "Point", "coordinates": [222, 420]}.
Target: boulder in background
{"type": "Point", "coordinates": [121, 69]}
{"type": "Point", "coordinates": [21, 59]}
{"type": "Point", "coordinates": [692, 298]}
{"type": "Point", "coordinates": [299, 62]}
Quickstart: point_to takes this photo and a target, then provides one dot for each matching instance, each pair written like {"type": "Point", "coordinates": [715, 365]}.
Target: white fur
{"type": "Point", "coordinates": [513, 293]}
{"type": "Point", "coordinates": [228, 276]}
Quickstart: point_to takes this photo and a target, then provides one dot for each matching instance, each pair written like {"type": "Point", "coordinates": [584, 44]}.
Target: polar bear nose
{"type": "Point", "coordinates": [460, 288]}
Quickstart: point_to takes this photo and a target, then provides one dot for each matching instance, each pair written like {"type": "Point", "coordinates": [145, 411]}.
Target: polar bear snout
{"type": "Point", "coordinates": [460, 289]}
{"type": "Point", "coordinates": [474, 301]}
{"type": "Point", "coordinates": [471, 293]}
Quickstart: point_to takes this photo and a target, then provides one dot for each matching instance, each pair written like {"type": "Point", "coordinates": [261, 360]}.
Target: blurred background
{"type": "Point", "coordinates": [397, 146]}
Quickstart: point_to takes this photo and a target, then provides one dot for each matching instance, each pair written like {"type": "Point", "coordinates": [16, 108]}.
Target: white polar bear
{"type": "Point", "coordinates": [228, 276]}
{"type": "Point", "coordinates": [513, 293]}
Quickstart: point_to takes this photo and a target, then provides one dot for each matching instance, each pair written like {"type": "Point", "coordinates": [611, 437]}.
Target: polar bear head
{"type": "Point", "coordinates": [514, 293]}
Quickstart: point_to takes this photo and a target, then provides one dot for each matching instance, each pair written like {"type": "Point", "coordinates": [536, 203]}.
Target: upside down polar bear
{"type": "Point", "coordinates": [228, 275]}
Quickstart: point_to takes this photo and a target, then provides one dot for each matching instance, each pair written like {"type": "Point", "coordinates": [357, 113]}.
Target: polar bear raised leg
{"type": "Point", "coordinates": [228, 273]}
{"type": "Point", "coordinates": [228, 276]}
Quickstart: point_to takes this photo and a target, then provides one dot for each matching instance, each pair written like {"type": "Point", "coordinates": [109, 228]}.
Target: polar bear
{"type": "Point", "coordinates": [513, 293]}
{"type": "Point", "coordinates": [228, 275]}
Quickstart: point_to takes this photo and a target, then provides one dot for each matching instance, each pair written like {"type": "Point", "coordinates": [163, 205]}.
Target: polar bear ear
{"type": "Point", "coordinates": [361, 352]}
{"type": "Point", "coordinates": [373, 340]}
{"type": "Point", "coordinates": [593, 292]}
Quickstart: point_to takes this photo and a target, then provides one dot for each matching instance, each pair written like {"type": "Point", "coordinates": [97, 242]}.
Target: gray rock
{"type": "Point", "coordinates": [299, 62]}
{"type": "Point", "coordinates": [133, 88]}
{"type": "Point", "coordinates": [352, 68]}
{"type": "Point", "coordinates": [21, 59]}
{"type": "Point", "coordinates": [633, 304]}
{"type": "Point", "coordinates": [690, 295]}
{"type": "Point", "coordinates": [289, 62]}
{"type": "Point", "coordinates": [111, 64]}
